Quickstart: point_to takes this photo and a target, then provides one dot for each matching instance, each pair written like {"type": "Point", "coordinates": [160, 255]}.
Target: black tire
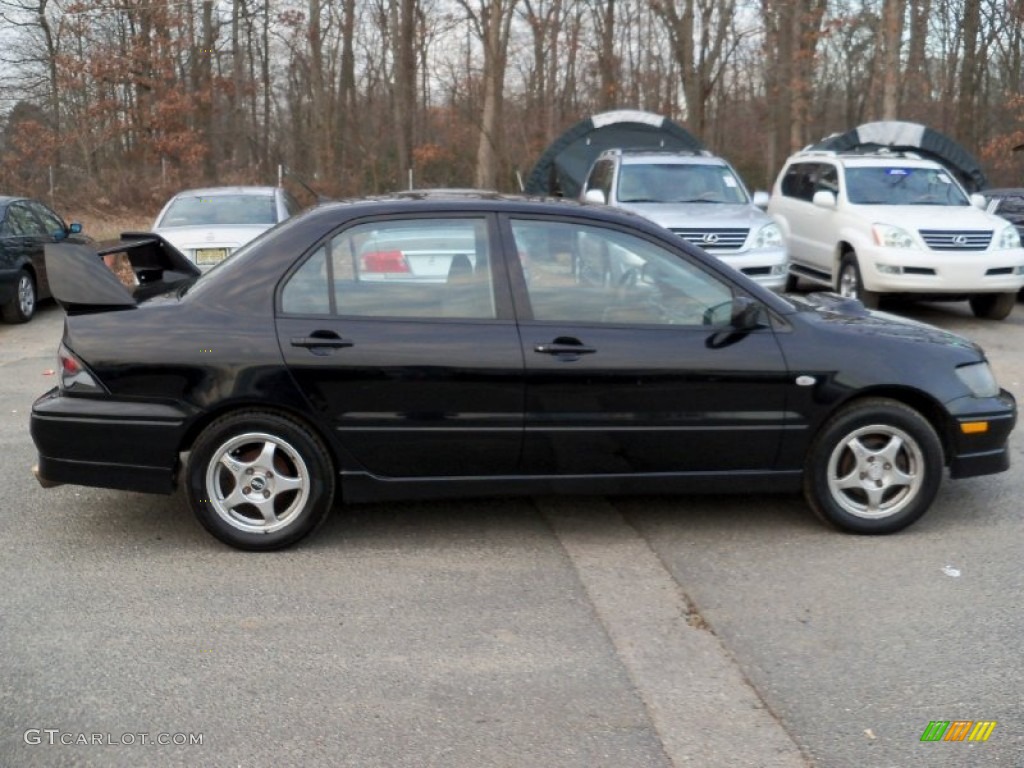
{"type": "Point", "coordinates": [849, 282]}
{"type": "Point", "coordinates": [993, 306]}
{"type": "Point", "coordinates": [22, 305]}
{"type": "Point", "coordinates": [289, 463]}
{"type": "Point", "coordinates": [898, 470]}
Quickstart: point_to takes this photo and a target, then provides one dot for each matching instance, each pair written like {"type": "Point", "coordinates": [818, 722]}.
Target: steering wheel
{"type": "Point", "coordinates": [627, 282]}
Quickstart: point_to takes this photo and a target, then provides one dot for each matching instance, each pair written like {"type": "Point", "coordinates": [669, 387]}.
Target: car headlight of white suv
{"type": "Point", "coordinates": [892, 237]}
{"type": "Point", "coordinates": [1008, 238]}
{"type": "Point", "coordinates": [768, 236]}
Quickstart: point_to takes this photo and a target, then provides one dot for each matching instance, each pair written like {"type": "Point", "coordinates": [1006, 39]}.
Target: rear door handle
{"type": "Point", "coordinates": [321, 339]}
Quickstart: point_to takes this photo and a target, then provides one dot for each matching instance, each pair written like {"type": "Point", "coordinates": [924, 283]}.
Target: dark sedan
{"type": "Point", "coordinates": [571, 349]}
{"type": "Point", "coordinates": [26, 227]}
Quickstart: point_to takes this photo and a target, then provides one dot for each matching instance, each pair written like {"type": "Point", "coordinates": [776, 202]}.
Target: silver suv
{"type": "Point", "coordinates": [879, 222]}
{"type": "Point", "coordinates": [700, 198]}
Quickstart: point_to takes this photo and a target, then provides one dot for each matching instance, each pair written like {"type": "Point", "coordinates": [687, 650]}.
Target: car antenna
{"type": "Point", "coordinates": [283, 171]}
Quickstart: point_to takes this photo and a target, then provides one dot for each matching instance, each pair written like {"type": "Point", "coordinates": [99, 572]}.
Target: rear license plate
{"type": "Point", "coordinates": [205, 256]}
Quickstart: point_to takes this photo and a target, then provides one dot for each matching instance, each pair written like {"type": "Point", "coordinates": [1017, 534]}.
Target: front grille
{"type": "Point", "coordinates": [957, 239]}
{"type": "Point", "coordinates": [714, 239]}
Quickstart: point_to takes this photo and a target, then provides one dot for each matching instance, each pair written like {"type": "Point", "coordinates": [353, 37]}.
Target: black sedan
{"type": "Point", "coordinates": [559, 348]}
{"type": "Point", "coordinates": [26, 227]}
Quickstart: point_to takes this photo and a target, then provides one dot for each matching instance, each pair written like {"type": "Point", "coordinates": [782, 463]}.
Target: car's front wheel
{"type": "Point", "coordinates": [851, 285]}
{"type": "Point", "coordinates": [258, 480]}
{"type": "Point", "coordinates": [993, 306]}
{"type": "Point", "coordinates": [22, 305]}
{"type": "Point", "coordinates": [874, 467]}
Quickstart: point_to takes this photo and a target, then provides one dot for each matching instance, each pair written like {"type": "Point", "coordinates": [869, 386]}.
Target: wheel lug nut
{"type": "Point", "coordinates": [878, 483]}
{"type": "Point", "coordinates": [266, 494]}
{"type": "Point", "coordinates": [247, 489]}
{"type": "Point", "coordinates": [888, 466]}
{"type": "Point", "coordinates": [248, 471]}
{"type": "Point", "coordinates": [863, 475]}
{"type": "Point", "coordinates": [271, 474]}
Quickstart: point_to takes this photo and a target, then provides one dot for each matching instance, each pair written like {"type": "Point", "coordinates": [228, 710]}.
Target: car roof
{"type": "Point", "coordinates": [670, 158]}
{"type": "Point", "coordinates": [237, 190]}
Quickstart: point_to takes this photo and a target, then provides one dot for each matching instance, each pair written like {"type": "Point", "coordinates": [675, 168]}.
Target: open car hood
{"type": "Point", "coordinates": [81, 282]}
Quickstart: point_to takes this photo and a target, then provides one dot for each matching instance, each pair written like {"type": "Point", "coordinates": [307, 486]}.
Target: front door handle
{"type": "Point", "coordinates": [564, 345]}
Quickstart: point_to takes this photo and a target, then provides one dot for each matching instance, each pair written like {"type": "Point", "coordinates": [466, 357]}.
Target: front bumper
{"type": "Point", "coordinates": [766, 266]}
{"type": "Point", "coordinates": [981, 452]}
{"type": "Point", "coordinates": [937, 272]}
{"type": "Point", "coordinates": [105, 443]}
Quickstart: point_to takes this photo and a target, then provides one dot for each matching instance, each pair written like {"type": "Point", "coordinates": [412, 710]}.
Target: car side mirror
{"type": "Point", "coordinates": [761, 199]}
{"type": "Point", "coordinates": [978, 201]}
{"type": "Point", "coordinates": [824, 199]}
{"type": "Point", "coordinates": [746, 314]}
{"type": "Point", "coordinates": [75, 228]}
{"type": "Point", "coordinates": [594, 196]}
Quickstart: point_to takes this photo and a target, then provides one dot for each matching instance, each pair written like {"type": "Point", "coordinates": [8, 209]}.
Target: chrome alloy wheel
{"type": "Point", "coordinates": [848, 283]}
{"type": "Point", "coordinates": [26, 295]}
{"type": "Point", "coordinates": [257, 482]}
{"type": "Point", "coordinates": [875, 471]}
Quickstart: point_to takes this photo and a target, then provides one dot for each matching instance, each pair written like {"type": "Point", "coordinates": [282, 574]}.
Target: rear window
{"type": "Point", "coordinates": [223, 210]}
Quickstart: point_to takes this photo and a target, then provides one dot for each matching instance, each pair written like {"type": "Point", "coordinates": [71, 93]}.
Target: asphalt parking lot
{"type": "Point", "coordinates": [719, 631]}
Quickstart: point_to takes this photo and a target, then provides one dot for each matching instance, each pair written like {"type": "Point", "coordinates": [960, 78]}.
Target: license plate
{"type": "Point", "coordinates": [205, 256]}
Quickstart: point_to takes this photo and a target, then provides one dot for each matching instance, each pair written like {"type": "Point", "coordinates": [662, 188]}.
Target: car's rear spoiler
{"type": "Point", "coordinates": [80, 281]}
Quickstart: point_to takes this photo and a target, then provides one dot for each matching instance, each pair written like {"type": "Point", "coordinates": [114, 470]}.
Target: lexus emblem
{"type": "Point", "coordinates": [959, 239]}
{"type": "Point", "coordinates": [710, 238]}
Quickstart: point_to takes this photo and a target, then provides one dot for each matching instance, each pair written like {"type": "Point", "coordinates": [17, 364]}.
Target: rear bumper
{"type": "Point", "coordinates": [106, 443]}
{"type": "Point", "coordinates": [981, 453]}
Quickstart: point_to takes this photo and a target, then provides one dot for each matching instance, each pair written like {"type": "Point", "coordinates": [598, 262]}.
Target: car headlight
{"type": "Point", "coordinates": [892, 237]}
{"type": "Point", "coordinates": [1008, 238]}
{"type": "Point", "coordinates": [978, 378]}
{"type": "Point", "coordinates": [769, 236]}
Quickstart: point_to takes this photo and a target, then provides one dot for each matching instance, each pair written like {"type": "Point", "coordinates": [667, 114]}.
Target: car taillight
{"type": "Point", "coordinates": [384, 261]}
{"type": "Point", "coordinates": [74, 376]}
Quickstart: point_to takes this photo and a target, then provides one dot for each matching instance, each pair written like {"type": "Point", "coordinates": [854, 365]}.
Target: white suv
{"type": "Point", "coordinates": [884, 222]}
{"type": "Point", "coordinates": [699, 197]}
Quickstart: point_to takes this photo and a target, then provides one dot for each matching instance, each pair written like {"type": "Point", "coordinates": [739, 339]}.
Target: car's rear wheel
{"type": "Point", "coordinates": [874, 467]}
{"type": "Point", "coordinates": [22, 305]}
{"type": "Point", "coordinates": [993, 306]}
{"type": "Point", "coordinates": [851, 285]}
{"type": "Point", "coordinates": [258, 480]}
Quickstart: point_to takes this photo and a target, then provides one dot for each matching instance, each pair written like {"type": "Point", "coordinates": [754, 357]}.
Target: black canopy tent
{"type": "Point", "coordinates": [911, 137]}
{"type": "Point", "coordinates": [563, 167]}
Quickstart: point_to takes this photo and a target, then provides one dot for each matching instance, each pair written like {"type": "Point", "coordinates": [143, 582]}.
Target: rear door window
{"type": "Point", "coordinates": [422, 268]}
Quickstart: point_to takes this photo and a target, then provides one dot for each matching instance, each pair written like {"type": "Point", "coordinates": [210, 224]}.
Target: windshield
{"type": "Point", "coordinates": [679, 183]}
{"type": "Point", "coordinates": [903, 186]}
{"type": "Point", "coordinates": [223, 210]}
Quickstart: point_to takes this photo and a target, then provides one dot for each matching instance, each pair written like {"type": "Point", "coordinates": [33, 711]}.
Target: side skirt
{"type": "Point", "coordinates": [363, 486]}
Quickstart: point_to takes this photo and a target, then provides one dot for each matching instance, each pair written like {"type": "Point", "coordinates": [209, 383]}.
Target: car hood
{"type": "Point", "coordinates": [835, 311]}
{"type": "Point", "coordinates": [233, 236]}
{"type": "Point", "coordinates": [683, 215]}
{"type": "Point", "coordinates": [931, 216]}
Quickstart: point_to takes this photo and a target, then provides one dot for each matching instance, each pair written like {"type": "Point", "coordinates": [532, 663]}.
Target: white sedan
{"type": "Point", "coordinates": [208, 225]}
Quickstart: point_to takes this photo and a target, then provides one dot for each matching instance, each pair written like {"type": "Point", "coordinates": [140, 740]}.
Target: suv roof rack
{"type": "Point", "coordinates": [657, 151]}
{"type": "Point", "coordinates": [868, 150]}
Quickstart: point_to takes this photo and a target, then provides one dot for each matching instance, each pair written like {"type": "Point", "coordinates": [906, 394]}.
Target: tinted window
{"type": "Point", "coordinates": [601, 177]}
{"type": "Point", "coordinates": [22, 222]}
{"type": "Point", "coordinates": [425, 268]}
{"type": "Point", "coordinates": [582, 274]}
{"type": "Point", "coordinates": [53, 223]}
{"type": "Point", "coordinates": [800, 179]}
